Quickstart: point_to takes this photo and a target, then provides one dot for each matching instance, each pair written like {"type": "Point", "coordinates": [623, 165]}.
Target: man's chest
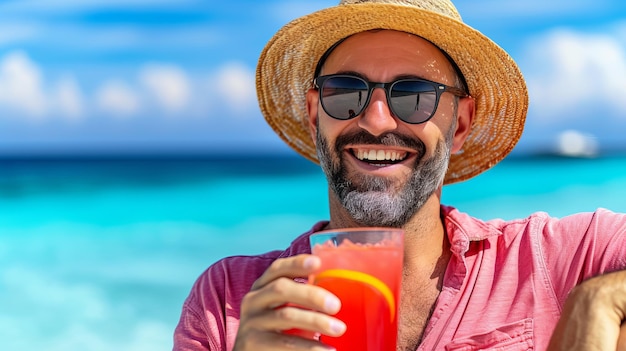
{"type": "Point", "coordinates": [416, 308]}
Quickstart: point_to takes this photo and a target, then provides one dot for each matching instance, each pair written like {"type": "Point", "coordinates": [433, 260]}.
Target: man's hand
{"type": "Point", "coordinates": [268, 309]}
{"type": "Point", "coordinates": [594, 316]}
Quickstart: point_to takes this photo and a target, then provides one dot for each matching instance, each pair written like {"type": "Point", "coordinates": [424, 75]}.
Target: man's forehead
{"type": "Point", "coordinates": [389, 32]}
{"type": "Point", "coordinates": [385, 47]}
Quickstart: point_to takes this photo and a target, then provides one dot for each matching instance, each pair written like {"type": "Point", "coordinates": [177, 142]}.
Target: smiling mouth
{"type": "Point", "coordinates": [378, 157]}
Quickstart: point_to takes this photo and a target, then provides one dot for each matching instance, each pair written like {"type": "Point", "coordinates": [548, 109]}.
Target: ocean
{"type": "Point", "coordinates": [100, 253]}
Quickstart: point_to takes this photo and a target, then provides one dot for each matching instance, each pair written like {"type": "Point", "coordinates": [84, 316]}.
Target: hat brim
{"type": "Point", "coordinates": [287, 64]}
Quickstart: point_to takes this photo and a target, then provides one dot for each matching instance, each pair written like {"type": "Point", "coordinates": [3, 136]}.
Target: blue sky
{"type": "Point", "coordinates": [178, 75]}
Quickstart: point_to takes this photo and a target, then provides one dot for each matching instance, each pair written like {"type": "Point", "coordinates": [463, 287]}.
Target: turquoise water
{"type": "Point", "coordinates": [100, 254]}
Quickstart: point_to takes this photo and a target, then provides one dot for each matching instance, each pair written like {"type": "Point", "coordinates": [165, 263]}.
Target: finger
{"type": "Point", "coordinates": [285, 318]}
{"type": "Point", "coordinates": [276, 321]}
{"type": "Point", "coordinates": [292, 267]}
{"type": "Point", "coordinates": [618, 284]}
{"type": "Point", "coordinates": [284, 290]}
{"type": "Point", "coordinates": [621, 341]}
{"type": "Point", "coordinates": [259, 341]}
{"type": "Point", "coordinates": [592, 316]}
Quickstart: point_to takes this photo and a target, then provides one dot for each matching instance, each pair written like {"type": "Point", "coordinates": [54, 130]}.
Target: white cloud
{"type": "Point", "coordinates": [25, 94]}
{"type": "Point", "coordinates": [569, 72]}
{"type": "Point", "coordinates": [235, 85]}
{"type": "Point", "coordinates": [575, 143]}
{"type": "Point", "coordinates": [168, 84]}
{"type": "Point", "coordinates": [21, 85]}
{"type": "Point", "coordinates": [118, 99]}
{"type": "Point", "coordinates": [69, 99]}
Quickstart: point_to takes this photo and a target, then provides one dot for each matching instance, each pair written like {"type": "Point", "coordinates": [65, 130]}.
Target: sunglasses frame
{"type": "Point", "coordinates": [438, 88]}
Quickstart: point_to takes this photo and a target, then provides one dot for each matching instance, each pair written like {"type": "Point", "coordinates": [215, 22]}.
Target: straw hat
{"type": "Point", "coordinates": [287, 64]}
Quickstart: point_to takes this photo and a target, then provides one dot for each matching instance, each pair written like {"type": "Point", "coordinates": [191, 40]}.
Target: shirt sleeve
{"type": "Point", "coordinates": [581, 246]}
{"type": "Point", "coordinates": [202, 322]}
{"type": "Point", "coordinates": [190, 334]}
{"type": "Point", "coordinates": [210, 314]}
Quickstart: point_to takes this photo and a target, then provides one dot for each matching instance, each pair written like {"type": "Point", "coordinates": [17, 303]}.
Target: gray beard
{"type": "Point", "coordinates": [378, 201]}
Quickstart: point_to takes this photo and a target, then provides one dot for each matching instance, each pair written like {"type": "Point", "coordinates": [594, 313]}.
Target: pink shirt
{"type": "Point", "coordinates": [503, 289]}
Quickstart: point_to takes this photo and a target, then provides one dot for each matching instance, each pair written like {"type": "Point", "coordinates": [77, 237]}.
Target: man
{"type": "Point", "coordinates": [394, 101]}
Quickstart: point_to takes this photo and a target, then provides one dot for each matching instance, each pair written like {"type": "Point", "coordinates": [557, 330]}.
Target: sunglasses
{"type": "Point", "coordinates": [411, 100]}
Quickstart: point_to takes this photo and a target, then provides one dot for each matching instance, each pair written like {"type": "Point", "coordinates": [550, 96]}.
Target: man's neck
{"type": "Point", "coordinates": [426, 256]}
{"type": "Point", "coordinates": [425, 239]}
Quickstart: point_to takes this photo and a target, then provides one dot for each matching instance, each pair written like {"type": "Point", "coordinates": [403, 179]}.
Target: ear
{"type": "Point", "coordinates": [465, 115]}
{"type": "Point", "coordinates": [312, 106]}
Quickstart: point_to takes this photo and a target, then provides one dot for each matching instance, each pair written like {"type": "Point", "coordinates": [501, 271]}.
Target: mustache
{"type": "Point", "coordinates": [386, 139]}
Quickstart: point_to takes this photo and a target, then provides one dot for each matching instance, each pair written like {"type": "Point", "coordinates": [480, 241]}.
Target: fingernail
{"type": "Point", "coordinates": [337, 327]}
{"type": "Point", "coordinates": [310, 262]}
{"type": "Point", "coordinates": [332, 304]}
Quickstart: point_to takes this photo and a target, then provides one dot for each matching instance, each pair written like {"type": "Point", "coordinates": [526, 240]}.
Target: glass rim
{"type": "Point", "coordinates": [394, 237]}
{"type": "Point", "coordinates": [357, 229]}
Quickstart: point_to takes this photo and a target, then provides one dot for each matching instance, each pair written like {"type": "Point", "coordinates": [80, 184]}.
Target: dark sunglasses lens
{"type": "Point", "coordinates": [343, 97]}
{"type": "Point", "coordinates": [413, 101]}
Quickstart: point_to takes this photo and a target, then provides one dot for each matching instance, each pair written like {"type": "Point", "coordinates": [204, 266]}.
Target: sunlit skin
{"type": "Point", "coordinates": [379, 56]}
{"type": "Point", "coordinates": [383, 56]}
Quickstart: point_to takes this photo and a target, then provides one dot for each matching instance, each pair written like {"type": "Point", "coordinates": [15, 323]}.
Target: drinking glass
{"type": "Point", "coordinates": [363, 268]}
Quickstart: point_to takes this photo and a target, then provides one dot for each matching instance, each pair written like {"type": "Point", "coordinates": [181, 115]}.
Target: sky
{"type": "Point", "coordinates": [177, 76]}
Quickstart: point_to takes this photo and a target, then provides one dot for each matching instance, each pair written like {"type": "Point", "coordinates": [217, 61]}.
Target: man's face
{"type": "Point", "coordinates": [387, 191]}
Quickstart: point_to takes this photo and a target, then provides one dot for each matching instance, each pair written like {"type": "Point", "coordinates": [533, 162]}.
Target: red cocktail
{"type": "Point", "coordinates": [363, 268]}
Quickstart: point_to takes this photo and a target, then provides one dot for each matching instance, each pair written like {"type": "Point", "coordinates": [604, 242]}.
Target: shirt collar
{"type": "Point", "coordinates": [463, 229]}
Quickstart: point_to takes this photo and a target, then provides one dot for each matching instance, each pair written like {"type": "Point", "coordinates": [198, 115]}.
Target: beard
{"type": "Point", "coordinates": [382, 201]}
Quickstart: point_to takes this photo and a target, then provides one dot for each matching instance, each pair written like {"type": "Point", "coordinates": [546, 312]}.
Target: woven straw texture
{"type": "Point", "coordinates": [287, 63]}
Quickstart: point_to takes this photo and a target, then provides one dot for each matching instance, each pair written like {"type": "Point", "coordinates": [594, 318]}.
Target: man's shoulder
{"type": "Point", "coordinates": [478, 229]}
{"type": "Point", "coordinates": [583, 222]}
{"type": "Point", "coordinates": [539, 224]}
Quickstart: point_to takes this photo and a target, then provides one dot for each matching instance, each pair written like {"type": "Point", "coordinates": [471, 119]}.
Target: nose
{"type": "Point", "coordinates": [377, 118]}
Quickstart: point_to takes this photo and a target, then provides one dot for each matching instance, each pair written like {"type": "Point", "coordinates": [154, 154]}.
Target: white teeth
{"type": "Point", "coordinates": [379, 155]}
{"type": "Point", "coordinates": [372, 155]}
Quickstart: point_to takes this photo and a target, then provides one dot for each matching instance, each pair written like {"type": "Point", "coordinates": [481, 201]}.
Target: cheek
{"type": "Point", "coordinates": [331, 128]}
{"type": "Point", "coordinates": [430, 133]}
